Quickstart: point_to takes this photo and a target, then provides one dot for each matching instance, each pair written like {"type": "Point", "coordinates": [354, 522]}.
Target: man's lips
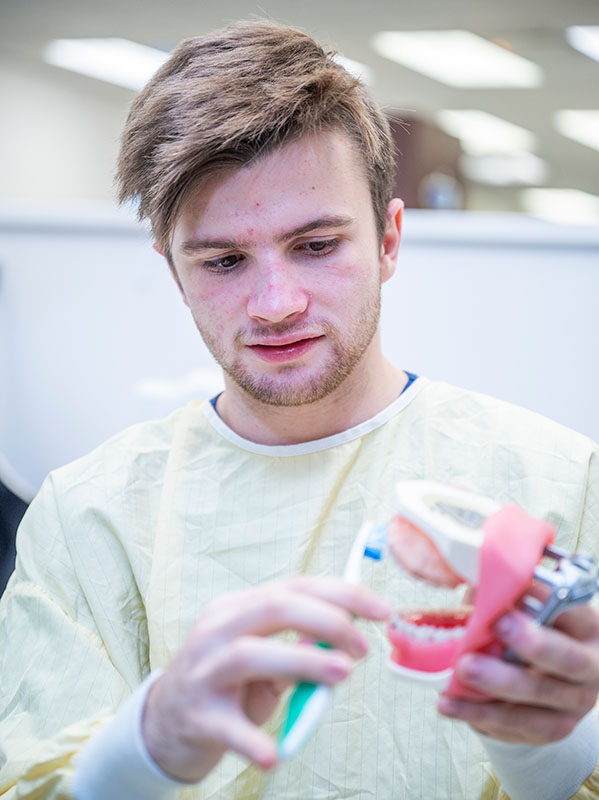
{"type": "Point", "coordinates": [284, 348]}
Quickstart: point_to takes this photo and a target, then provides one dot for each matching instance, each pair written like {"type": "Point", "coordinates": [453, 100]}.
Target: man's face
{"type": "Point", "coordinates": [281, 267]}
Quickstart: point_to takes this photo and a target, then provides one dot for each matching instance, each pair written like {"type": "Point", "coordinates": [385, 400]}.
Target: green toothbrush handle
{"type": "Point", "coordinates": [306, 706]}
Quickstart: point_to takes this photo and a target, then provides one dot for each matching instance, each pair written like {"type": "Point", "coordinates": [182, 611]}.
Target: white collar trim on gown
{"type": "Point", "coordinates": [316, 445]}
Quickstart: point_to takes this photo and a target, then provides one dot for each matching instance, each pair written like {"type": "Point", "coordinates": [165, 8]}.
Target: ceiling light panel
{"type": "Point", "coordinates": [458, 58]}
{"type": "Point", "coordinates": [505, 169]}
{"type": "Point", "coordinates": [482, 133]}
{"type": "Point", "coordinates": [570, 206]}
{"type": "Point", "coordinates": [582, 125]}
{"type": "Point", "coordinates": [585, 39]}
{"type": "Point", "coordinates": [118, 61]}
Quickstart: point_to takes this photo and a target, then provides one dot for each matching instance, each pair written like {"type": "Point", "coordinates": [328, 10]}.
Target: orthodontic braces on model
{"type": "Point", "coordinates": [449, 536]}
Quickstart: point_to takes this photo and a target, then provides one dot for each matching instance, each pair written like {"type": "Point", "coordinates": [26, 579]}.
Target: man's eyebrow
{"type": "Point", "coordinates": [193, 246]}
{"type": "Point", "coordinates": [322, 222]}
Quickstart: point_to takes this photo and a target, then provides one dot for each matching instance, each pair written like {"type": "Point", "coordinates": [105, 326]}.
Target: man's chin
{"type": "Point", "coordinates": [287, 391]}
{"type": "Point", "coordinates": [285, 397]}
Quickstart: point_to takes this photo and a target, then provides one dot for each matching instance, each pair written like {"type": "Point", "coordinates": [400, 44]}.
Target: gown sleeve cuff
{"type": "Point", "coordinates": [115, 762]}
{"type": "Point", "coordinates": [554, 771]}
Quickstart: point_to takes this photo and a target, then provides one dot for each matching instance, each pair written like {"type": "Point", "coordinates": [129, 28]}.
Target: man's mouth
{"type": "Point", "coordinates": [284, 348]}
{"type": "Point", "coordinates": [427, 640]}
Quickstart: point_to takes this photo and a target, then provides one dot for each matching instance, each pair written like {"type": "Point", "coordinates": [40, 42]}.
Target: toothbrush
{"type": "Point", "coordinates": [309, 701]}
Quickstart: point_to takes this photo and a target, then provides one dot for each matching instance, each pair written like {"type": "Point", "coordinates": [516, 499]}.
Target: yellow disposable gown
{"type": "Point", "coordinates": [122, 550]}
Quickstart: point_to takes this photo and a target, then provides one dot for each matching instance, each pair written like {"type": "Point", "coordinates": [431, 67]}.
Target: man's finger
{"type": "Point", "coordinates": [501, 680]}
{"type": "Point", "coordinates": [549, 650]}
{"type": "Point", "coordinates": [580, 622]}
{"type": "Point", "coordinates": [510, 723]}
{"type": "Point", "coordinates": [320, 613]}
{"type": "Point", "coordinates": [237, 733]}
{"type": "Point", "coordinates": [254, 658]}
{"type": "Point", "coordinates": [356, 599]}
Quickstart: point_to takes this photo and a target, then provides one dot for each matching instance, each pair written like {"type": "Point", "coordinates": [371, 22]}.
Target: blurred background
{"type": "Point", "coordinates": [501, 97]}
{"type": "Point", "coordinates": [495, 113]}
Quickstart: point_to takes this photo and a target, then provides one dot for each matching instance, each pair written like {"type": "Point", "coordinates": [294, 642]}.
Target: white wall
{"type": "Point", "coordinates": [93, 335]}
{"type": "Point", "coordinates": [502, 304]}
{"type": "Point", "coordinates": [90, 313]}
{"type": "Point", "coordinates": [59, 139]}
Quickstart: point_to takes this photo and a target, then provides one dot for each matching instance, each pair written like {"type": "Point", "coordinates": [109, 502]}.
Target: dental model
{"type": "Point", "coordinates": [448, 536]}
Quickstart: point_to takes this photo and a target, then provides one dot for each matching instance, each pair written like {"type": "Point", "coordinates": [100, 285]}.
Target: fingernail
{"type": "Point", "coordinates": [362, 646]}
{"type": "Point", "coordinates": [339, 666]}
{"type": "Point", "coordinates": [380, 608]}
{"type": "Point", "coordinates": [447, 706]}
{"type": "Point", "coordinates": [505, 627]}
{"type": "Point", "coordinates": [469, 668]}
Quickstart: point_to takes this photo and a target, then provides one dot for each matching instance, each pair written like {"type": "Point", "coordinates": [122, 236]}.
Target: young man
{"type": "Point", "coordinates": [171, 555]}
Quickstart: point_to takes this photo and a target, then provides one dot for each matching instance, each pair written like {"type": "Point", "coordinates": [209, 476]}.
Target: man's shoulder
{"type": "Point", "coordinates": [507, 452]}
{"type": "Point", "coordinates": [138, 455]}
{"type": "Point", "coordinates": [480, 416]}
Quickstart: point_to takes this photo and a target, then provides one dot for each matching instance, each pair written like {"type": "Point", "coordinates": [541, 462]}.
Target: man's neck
{"type": "Point", "coordinates": [362, 395]}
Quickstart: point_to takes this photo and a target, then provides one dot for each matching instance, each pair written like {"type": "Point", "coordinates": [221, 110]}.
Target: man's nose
{"type": "Point", "coordinates": [277, 294]}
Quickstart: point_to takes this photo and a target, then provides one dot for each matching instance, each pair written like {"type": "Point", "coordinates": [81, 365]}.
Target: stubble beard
{"type": "Point", "coordinates": [274, 390]}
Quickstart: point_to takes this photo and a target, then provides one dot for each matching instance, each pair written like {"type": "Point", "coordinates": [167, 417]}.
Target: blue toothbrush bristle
{"type": "Point", "coordinates": [375, 545]}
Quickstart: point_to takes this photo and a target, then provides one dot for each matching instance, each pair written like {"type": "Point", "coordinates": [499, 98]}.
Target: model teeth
{"type": "Point", "coordinates": [426, 632]}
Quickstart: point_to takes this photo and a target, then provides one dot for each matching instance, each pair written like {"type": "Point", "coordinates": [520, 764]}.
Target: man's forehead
{"type": "Point", "coordinates": [313, 178]}
{"type": "Point", "coordinates": [316, 151]}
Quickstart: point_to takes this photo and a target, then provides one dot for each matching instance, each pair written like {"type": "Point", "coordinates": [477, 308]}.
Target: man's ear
{"type": "Point", "coordinates": [391, 238]}
{"type": "Point", "coordinates": [172, 269]}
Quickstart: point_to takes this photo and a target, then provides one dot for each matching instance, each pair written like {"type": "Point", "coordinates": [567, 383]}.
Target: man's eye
{"type": "Point", "coordinates": [224, 263]}
{"type": "Point", "coordinates": [319, 246]}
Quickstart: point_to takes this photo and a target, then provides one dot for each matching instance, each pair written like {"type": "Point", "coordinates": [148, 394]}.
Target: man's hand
{"type": "Point", "coordinates": [227, 678]}
{"type": "Point", "coordinates": [541, 701]}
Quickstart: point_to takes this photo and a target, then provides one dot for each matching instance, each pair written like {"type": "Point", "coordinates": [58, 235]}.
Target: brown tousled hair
{"type": "Point", "coordinates": [232, 96]}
